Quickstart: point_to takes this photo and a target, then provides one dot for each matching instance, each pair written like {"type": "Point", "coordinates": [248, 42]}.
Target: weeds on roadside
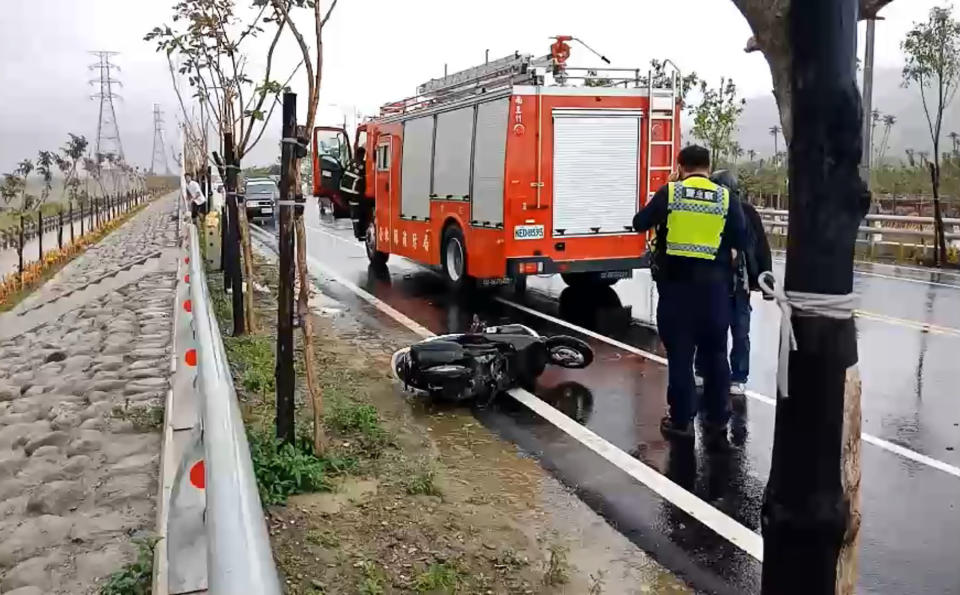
{"type": "Point", "coordinates": [596, 582]}
{"type": "Point", "coordinates": [285, 469]}
{"type": "Point", "coordinates": [327, 539]}
{"type": "Point", "coordinates": [135, 578]}
{"type": "Point", "coordinates": [442, 578]}
{"type": "Point", "coordinates": [349, 418]}
{"type": "Point", "coordinates": [421, 481]}
{"type": "Point", "coordinates": [373, 580]}
{"type": "Point", "coordinates": [252, 356]}
{"type": "Point", "coordinates": [143, 418]}
{"type": "Point", "coordinates": [557, 571]}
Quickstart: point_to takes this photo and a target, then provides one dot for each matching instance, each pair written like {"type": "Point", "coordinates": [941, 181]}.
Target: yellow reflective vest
{"type": "Point", "coordinates": [696, 214]}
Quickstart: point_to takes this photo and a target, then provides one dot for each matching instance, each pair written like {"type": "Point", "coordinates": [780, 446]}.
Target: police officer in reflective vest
{"type": "Point", "coordinates": [697, 228]}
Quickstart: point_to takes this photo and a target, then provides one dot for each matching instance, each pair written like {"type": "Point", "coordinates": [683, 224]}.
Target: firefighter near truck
{"type": "Point", "coordinates": [520, 166]}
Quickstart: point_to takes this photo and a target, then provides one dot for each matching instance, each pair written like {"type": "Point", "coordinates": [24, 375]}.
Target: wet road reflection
{"type": "Point", "coordinates": [909, 397]}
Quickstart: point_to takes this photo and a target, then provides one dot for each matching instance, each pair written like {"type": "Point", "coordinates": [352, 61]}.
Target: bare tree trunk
{"type": "Point", "coordinates": [939, 239]}
{"type": "Point", "coordinates": [247, 269]}
{"type": "Point", "coordinates": [306, 326]}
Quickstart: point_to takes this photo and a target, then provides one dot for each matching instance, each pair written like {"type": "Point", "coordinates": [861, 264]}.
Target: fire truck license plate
{"type": "Point", "coordinates": [616, 274]}
{"type": "Point", "coordinates": [528, 232]}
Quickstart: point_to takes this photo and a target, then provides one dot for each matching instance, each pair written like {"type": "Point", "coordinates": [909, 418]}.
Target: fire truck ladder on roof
{"type": "Point", "coordinates": [513, 69]}
{"type": "Point", "coordinates": [663, 108]}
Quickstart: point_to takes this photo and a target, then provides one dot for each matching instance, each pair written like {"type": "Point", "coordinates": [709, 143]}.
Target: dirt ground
{"type": "Point", "coordinates": [421, 498]}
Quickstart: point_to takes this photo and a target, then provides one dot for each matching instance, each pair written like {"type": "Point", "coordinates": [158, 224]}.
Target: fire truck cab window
{"type": "Point", "coordinates": [383, 157]}
{"type": "Point", "coordinates": [333, 144]}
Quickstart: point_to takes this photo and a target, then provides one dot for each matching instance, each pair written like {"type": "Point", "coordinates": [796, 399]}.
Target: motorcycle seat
{"type": "Point", "coordinates": [434, 353]}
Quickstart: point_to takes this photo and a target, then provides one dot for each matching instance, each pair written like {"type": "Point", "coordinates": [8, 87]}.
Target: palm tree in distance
{"type": "Point", "coordinates": [775, 132]}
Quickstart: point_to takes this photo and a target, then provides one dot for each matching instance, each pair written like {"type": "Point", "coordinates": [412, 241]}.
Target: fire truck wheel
{"type": "Point", "coordinates": [377, 258]}
{"type": "Point", "coordinates": [588, 279]}
{"type": "Point", "coordinates": [453, 258]}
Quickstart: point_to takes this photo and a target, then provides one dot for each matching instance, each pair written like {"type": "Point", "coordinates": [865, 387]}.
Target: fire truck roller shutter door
{"type": "Point", "coordinates": [488, 162]}
{"type": "Point", "coordinates": [595, 170]}
{"type": "Point", "coordinates": [415, 169]}
{"type": "Point", "coordinates": [451, 155]}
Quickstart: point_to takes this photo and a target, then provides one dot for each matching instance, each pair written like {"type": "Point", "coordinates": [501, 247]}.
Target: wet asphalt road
{"type": "Point", "coordinates": [909, 339]}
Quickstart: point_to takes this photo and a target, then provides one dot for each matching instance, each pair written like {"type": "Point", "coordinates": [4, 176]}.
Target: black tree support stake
{"type": "Point", "coordinates": [286, 380]}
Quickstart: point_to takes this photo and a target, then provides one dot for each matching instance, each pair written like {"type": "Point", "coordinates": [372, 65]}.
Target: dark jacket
{"type": "Point", "coordinates": [758, 248]}
{"type": "Point", "coordinates": [681, 268]}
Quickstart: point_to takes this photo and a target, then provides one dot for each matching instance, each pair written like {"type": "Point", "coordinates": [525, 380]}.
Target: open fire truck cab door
{"type": "Point", "coordinates": [331, 156]}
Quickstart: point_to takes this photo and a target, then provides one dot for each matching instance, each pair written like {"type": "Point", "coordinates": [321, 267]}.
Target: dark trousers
{"type": "Point", "coordinates": [691, 318]}
{"type": "Point", "coordinates": [740, 310]}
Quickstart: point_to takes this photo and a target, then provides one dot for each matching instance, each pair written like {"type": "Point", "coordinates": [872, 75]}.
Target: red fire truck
{"type": "Point", "coordinates": [520, 166]}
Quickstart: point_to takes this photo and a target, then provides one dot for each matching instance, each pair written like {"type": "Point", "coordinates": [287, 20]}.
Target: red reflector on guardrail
{"type": "Point", "coordinates": [197, 475]}
{"type": "Point", "coordinates": [191, 357]}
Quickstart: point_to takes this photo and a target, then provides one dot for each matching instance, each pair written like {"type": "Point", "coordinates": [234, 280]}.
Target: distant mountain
{"type": "Point", "coordinates": [909, 132]}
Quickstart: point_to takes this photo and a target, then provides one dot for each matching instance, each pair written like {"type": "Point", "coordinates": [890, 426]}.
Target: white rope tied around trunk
{"type": "Point", "coordinates": [839, 307]}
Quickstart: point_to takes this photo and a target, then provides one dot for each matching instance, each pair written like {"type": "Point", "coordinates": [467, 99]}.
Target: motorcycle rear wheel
{"type": "Point", "coordinates": [568, 352]}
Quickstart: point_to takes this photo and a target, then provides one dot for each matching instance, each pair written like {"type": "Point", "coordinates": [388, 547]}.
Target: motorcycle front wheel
{"type": "Point", "coordinates": [568, 352]}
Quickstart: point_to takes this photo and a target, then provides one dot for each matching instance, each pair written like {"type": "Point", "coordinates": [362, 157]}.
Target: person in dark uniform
{"type": "Point", "coordinates": [748, 265]}
{"type": "Point", "coordinates": [353, 185]}
{"type": "Point", "coordinates": [698, 227]}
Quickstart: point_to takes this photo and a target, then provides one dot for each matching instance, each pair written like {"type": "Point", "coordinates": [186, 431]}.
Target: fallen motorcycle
{"type": "Point", "coordinates": [485, 362]}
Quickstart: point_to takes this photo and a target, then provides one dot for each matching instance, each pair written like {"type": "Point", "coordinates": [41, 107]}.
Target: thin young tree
{"type": "Point", "coordinates": [888, 121]}
{"type": "Point", "coordinates": [932, 54]}
{"type": "Point", "coordinates": [715, 117]}
{"type": "Point", "coordinates": [210, 39]}
{"type": "Point", "coordinates": [312, 59]}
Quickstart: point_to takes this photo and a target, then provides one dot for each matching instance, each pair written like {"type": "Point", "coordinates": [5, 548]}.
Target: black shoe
{"type": "Point", "coordinates": [671, 431]}
{"type": "Point", "coordinates": [715, 436]}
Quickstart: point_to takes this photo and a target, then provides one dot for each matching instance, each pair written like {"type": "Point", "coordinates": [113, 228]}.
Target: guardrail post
{"type": "Point", "coordinates": [20, 252]}
{"type": "Point", "coordinates": [40, 233]}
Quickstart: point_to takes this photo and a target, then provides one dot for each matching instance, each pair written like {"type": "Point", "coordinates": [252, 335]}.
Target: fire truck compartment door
{"type": "Point", "coordinates": [488, 162]}
{"type": "Point", "coordinates": [596, 157]}
{"type": "Point", "coordinates": [451, 157]}
{"type": "Point", "coordinates": [415, 169]}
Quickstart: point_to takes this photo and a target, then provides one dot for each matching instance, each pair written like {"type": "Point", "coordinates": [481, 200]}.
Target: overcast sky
{"type": "Point", "coordinates": [375, 51]}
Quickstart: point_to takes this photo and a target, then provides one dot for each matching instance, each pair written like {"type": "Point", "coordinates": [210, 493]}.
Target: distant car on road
{"type": "Point", "coordinates": [261, 198]}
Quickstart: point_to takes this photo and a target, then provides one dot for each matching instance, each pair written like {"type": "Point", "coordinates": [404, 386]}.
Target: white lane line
{"type": "Point", "coordinates": [896, 278]}
{"type": "Point", "coordinates": [925, 327]}
{"type": "Point", "coordinates": [721, 524]}
{"type": "Point", "coordinates": [879, 442]}
{"type": "Point", "coordinates": [876, 441]}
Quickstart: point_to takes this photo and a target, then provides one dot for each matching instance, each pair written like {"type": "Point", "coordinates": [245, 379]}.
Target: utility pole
{"type": "Point", "coordinates": [811, 510]}
{"type": "Point", "coordinates": [159, 155]}
{"type": "Point", "coordinates": [285, 379]}
{"type": "Point", "coordinates": [233, 235]}
{"type": "Point", "coordinates": [868, 101]}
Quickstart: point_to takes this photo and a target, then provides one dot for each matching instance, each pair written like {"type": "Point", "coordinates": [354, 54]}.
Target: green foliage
{"type": "Point", "coordinates": [932, 62]}
{"type": "Point", "coordinates": [284, 469]}
{"type": "Point", "coordinates": [253, 358]}
{"type": "Point", "coordinates": [422, 480]}
{"type": "Point", "coordinates": [143, 418]}
{"type": "Point", "coordinates": [439, 578]}
{"type": "Point", "coordinates": [373, 580]}
{"type": "Point", "coordinates": [715, 118]}
{"type": "Point", "coordinates": [135, 578]}
{"type": "Point", "coordinates": [349, 418]}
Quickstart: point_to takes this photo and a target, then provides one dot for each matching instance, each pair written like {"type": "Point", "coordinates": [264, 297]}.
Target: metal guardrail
{"type": "Point", "coordinates": [877, 230]}
{"type": "Point", "coordinates": [874, 217]}
{"type": "Point", "coordinates": [239, 559]}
